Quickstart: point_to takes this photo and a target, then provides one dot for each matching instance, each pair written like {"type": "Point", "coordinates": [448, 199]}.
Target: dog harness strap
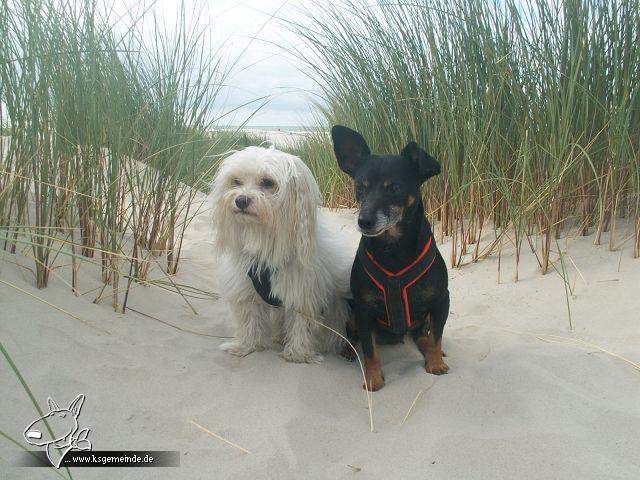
{"type": "Point", "coordinates": [261, 279]}
{"type": "Point", "coordinates": [394, 286]}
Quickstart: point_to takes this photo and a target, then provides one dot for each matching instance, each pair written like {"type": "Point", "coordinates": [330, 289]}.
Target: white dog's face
{"type": "Point", "coordinates": [250, 194]}
{"type": "Point", "coordinates": [264, 199]}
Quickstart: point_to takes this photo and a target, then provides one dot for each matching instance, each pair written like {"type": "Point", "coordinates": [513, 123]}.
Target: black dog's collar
{"type": "Point", "coordinates": [261, 279]}
{"type": "Point", "coordinates": [394, 286]}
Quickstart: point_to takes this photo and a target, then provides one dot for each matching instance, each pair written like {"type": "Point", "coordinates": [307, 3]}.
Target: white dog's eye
{"type": "Point", "coordinates": [267, 183]}
{"type": "Point", "coordinates": [236, 182]}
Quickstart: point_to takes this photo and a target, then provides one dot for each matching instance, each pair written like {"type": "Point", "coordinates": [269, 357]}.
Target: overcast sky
{"type": "Point", "coordinates": [264, 68]}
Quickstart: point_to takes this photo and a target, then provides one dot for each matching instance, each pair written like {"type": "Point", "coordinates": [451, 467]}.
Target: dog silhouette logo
{"type": "Point", "coordinates": [61, 431]}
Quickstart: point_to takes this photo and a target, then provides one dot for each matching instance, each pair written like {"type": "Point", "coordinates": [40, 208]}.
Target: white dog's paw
{"type": "Point", "coordinates": [301, 357]}
{"type": "Point", "coordinates": [238, 348]}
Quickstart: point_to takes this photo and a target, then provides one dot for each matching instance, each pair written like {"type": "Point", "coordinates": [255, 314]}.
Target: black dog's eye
{"type": "Point", "coordinates": [236, 182]}
{"type": "Point", "coordinates": [392, 187]}
{"type": "Point", "coordinates": [267, 183]}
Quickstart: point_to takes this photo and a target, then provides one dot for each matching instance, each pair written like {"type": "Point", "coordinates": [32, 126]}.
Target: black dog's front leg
{"type": "Point", "coordinates": [439, 315]}
{"type": "Point", "coordinates": [372, 364]}
{"type": "Point", "coordinates": [430, 342]}
{"type": "Point", "coordinates": [348, 350]}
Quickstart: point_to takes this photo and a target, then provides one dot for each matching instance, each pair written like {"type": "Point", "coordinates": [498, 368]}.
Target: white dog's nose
{"type": "Point", "coordinates": [34, 434]}
{"type": "Point", "coordinates": [242, 201]}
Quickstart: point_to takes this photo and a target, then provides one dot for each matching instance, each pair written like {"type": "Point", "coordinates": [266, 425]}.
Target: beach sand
{"type": "Point", "coordinates": [280, 138]}
{"type": "Point", "coordinates": [524, 397]}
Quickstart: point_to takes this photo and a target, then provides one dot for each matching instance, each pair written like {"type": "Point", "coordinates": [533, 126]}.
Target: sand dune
{"type": "Point", "coordinates": [524, 398]}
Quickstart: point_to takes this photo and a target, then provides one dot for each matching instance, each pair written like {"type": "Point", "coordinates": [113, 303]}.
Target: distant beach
{"type": "Point", "coordinates": [282, 136]}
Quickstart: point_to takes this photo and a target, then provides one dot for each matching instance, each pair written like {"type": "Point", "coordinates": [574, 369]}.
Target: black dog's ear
{"type": "Point", "coordinates": [350, 148]}
{"type": "Point", "coordinates": [427, 165]}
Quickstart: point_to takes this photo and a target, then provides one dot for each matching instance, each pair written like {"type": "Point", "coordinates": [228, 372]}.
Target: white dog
{"type": "Point", "coordinates": [278, 251]}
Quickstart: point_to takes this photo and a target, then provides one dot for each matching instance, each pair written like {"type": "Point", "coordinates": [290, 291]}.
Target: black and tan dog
{"type": "Point", "coordinates": [399, 279]}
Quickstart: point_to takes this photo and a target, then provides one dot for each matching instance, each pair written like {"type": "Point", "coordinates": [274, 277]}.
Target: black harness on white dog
{"type": "Point", "coordinates": [261, 279]}
{"type": "Point", "coordinates": [394, 286]}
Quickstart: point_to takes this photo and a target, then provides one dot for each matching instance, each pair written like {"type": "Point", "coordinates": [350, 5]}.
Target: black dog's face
{"type": "Point", "coordinates": [386, 185]}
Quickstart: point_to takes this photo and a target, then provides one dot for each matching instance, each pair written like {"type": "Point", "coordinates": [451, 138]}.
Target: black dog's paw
{"type": "Point", "coordinates": [375, 381]}
{"type": "Point", "coordinates": [437, 367]}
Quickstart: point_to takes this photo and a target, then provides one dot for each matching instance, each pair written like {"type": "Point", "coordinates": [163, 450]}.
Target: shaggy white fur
{"type": "Point", "coordinates": [281, 229]}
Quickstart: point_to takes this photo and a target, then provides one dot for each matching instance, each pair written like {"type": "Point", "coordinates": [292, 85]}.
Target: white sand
{"type": "Point", "coordinates": [513, 406]}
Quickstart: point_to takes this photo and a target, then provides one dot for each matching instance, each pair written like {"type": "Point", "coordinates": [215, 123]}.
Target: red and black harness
{"type": "Point", "coordinates": [395, 286]}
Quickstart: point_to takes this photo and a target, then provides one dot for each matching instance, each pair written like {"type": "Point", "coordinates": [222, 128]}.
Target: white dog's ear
{"type": "Point", "coordinates": [215, 203]}
{"type": "Point", "coordinates": [303, 201]}
{"type": "Point", "coordinates": [216, 187]}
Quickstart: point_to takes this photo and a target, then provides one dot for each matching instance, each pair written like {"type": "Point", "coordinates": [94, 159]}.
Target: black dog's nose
{"type": "Point", "coordinates": [242, 202]}
{"type": "Point", "coordinates": [365, 223]}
